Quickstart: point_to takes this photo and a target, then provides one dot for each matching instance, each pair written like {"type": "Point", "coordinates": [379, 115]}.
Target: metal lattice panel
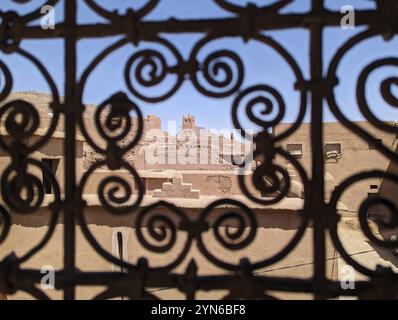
{"type": "Point", "coordinates": [247, 23]}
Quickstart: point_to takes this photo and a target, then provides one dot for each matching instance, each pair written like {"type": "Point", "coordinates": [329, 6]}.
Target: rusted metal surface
{"type": "Point", "coordinates": [246, 23]}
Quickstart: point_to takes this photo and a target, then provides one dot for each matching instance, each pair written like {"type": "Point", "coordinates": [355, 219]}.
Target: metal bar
{"type": "Point", "coordinates": [229, 26]}
{"type": "Point", "coordinates": [168, 281]}
{"type": "Point", "coordinates": [317, 183]}
{"type": "Point", "coordinates": [242, 280]}
{"type": "Point", "coordinates": [70, 146]}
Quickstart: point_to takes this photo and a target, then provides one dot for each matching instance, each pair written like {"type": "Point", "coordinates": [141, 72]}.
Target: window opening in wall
{"type": "Point", "coordinates": [51, 164]}
{"type": "Point", "coordinates": [333, 151]}
{"type": "Point", "coordinates": [295, 149]}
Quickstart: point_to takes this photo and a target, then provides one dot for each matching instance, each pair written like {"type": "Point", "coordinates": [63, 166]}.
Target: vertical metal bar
{"type": "Point", "coordinates": [69, 146]}
{"type": "Point", "coordinates": [317, 192]}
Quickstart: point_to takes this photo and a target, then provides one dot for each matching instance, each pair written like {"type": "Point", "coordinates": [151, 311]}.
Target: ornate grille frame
{"type": "Point", "coordinates": [247, 23]}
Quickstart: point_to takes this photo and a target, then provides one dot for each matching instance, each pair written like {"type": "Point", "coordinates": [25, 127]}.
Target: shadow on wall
{"type": "Point", "coordinates": [388, 190]}
{"type": "Point", "coordinates": [385, 254]}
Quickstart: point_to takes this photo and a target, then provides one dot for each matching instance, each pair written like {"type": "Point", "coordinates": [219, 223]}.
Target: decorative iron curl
{"type": "Point", "coordinates": [158, 70]}
{"type": "Point", "coordinates": [276, 184]}
{"type": "Point", "coordinates": [228, 6]}
{"type": "Point", "coordinates": [152, 59]}
{"type": "Point", "coordinates": [7, 86]}
{"type": "Point", "coordinates": [231, 240]}
{"type": "Point", "coordinates": [115, 126]}
{"type": "Point", "coordinates": [154, 222]}
{"type": "Point", "coordinates": [233, 236]}
{"type": "Point", "coordinates": [162, 228]}
{"type": "Point", "coordinates": [266, 180]}
{"type": "Point", "coordinates": [259, 92]}
{"type": "Point", "coordinates": [11, 188]}
{"type": "Point", "coordinates": [30, 117]}
{"type": "Point", "coordinates": [115, 203]}
{"type": "Point", "coordinates": [113, 196]}
{"type": "Point", "coordinates": [161, 235]}
{"type": "Point", "coordinates": [385, 89]}
{"type": "Point", "coordinates": [260, 99]}
{"type": "Point", "coordinates": [149, 58]}
{"type": "Point", "coordinates": [120, 109]}
{"type": "Point", "coordinates": [234, 241]}
{"type": "Point", "coordinates": [21, 121]}
{"type": "Point", "coordinates": [391, 224]}
{"type": "Point", "coordinates": [332, 81]}
{"type": "Point", "coordinates": [13, 25]}
{"type": "Point", "coordinates": [216, 70]}
{"type": "Point", "coordinates": [385, 8]}
{"type": "Point", "coordinates": [140, 13]}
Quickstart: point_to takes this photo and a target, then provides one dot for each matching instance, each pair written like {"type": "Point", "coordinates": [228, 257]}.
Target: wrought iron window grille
{"type": "Point", "coordinates": [246, 22]}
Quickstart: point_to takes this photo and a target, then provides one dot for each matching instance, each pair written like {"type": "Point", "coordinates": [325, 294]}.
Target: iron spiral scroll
{"type": "Point", "coordinates": [218, 74]}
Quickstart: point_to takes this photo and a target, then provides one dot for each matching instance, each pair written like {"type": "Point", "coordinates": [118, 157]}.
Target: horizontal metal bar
{"type": "Point", "coordinates": [163, 279]}
{"type": "Point", "coordinates": [226, 27]}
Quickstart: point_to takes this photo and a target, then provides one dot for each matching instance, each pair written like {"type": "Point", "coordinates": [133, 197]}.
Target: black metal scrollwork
{"type": "Point", "coordinates": [4, 224]}
{"type": "Point", "coordinates": [154, 75]}
{"type": "Point", "coordinates": [389, 221]}
{"type": "Point", "coordinates": [222, 70]}
{"type": "Point", "coordinates": [386, 91]}
{"type": "Point", "coordinates": [158, 71]}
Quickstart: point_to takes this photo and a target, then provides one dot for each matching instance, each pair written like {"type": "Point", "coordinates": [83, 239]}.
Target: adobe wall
{"type": "Point", "coordinates": [275, 229]}
{"type": "Point", "coordinates": [356, 157]}
{"type": "Point", "coordinates": [52, 150]}
{"type": "Point", "coordinates": [389, 190]}
{"type": "Point", "coordinates": [209, 183]}
{"type": "Point", "coordinates": [216, 183]}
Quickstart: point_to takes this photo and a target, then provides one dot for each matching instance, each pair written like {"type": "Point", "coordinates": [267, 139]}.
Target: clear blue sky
{"type": "Point", "coordinates": [263, 66]}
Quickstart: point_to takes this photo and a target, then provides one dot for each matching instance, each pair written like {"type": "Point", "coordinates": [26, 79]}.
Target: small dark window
{"type": "Point", "coordinates": [295, 149]}
{"type": "Point", "coordinates": [373, 211]}
{"type": "Point", "coordinates": [51, 164]}
{"type": "Point", "coordinates": [333, 151]}
{"type": "Point", "coordinates": [374, 187]}
{"type": "Point", "coordinates": [372, 146]}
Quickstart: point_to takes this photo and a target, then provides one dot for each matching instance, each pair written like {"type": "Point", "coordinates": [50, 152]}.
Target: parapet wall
{"type": "Point", "coordinates": [219, 183]}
